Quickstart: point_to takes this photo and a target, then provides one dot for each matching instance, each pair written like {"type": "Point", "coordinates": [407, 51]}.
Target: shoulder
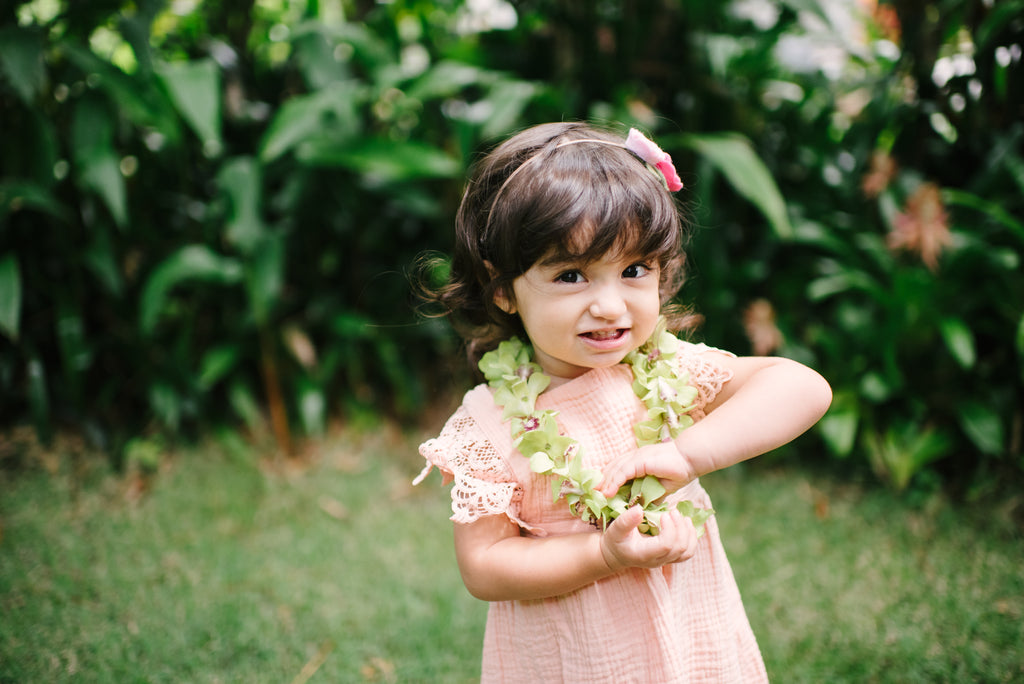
{"type": "Point", "coordinates": [708, 368]}
{"type": "Point", "coordinates": [467, 455]}
{"type": "Point", "coordinates": [699, 348]}
{"type": "Point", "coordinates": [465, 445]}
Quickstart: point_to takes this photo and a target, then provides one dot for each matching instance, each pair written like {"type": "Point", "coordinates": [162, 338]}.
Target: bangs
{"type": "Point", "coordinates": [586, 201]}
{"type": "Point", "coordinates": [566, 192]}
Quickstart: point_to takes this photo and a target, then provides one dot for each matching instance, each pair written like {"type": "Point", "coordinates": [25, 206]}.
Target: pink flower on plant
{"type": "Point", "coordinates": [759, 323]}
{"type": "Point", "coordinates": [877, 179]}
{"type": "Point", "coordinates": [639, 145]}
{"type": "Point", "coordinates": [922, 226]}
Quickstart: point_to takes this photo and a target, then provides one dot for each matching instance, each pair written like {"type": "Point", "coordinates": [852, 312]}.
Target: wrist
{"type": "Point", "coordinates": [611, 562]}
{"type": "Point", "coordinates": [690, 458]}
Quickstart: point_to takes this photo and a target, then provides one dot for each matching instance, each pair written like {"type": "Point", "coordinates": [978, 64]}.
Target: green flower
{"type": "Point", "coordinates": [518, 382]}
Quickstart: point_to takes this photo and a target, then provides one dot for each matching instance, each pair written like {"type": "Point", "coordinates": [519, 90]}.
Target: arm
{"type": "Point", "coordinates": [768, 402]}
{"type": "Point", "coordinates": [497, 564]}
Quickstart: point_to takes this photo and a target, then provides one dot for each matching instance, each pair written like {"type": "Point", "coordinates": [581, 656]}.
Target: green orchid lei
{"type": "Point", "coordinates": [518, 381]}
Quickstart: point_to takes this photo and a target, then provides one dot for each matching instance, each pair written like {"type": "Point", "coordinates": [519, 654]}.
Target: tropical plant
{"type": "Point", "coordinates": [895, 136]}
{"type": "Point", "coordinates": [207, 210]}
{"type": "Point", "coordinates": [210, 206]}
{"type": "Point", "coordinates": [894, 262]}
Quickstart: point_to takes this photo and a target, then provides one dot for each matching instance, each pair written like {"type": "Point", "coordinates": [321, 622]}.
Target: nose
{"type": "Point", "coordinates": [608, 303]}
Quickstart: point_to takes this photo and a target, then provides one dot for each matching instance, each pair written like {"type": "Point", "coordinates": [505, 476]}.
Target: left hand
{"type": "Point", "coordinates": [622, 545]}
{"type": "Point", "coordinates": [661, 460]}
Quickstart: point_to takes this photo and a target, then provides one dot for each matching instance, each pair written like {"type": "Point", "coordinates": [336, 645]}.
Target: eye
{"type": "Point", "coordinates": [636, 271]}
{"type": "Point", "coordinates": [571, 277]}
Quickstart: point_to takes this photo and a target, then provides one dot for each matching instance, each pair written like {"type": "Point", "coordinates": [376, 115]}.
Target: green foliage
{"type": "Point", "coordinates": [735, 158]}
{"type": "Point", "coordinates": [908, 291]}
{"type": "Point", "coordinates": [207, 211]}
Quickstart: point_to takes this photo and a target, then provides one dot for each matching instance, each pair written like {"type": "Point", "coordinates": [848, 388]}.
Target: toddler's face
{"type": "Point", "coordinates": [586, 315]}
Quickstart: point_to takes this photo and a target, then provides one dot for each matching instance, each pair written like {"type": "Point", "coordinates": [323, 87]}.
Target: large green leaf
{"type": "Point", "coordinates": [240, 180]}
{"type": "Point", "coordinates": [833, 284]}
{"type": "Point", "coordinates": [316, 58]}
{"type": "Point", "coordinates": [97, 162]}
{"type": "Point", "coordinates": [447, 79]}
{"type": "Point", "coordinates": [194, 87]}
{"type": "Point", "coordinates": [331, 113]}
{"type": "Point", "coordinates": [21, 60]}
{"type": "Point", "coordinates": [983, 426]}
{"type": "Point", "coordinates": [19, 195]}
{"type": "Point", "coordinates": [1020, 336]}
{"type": "Point", "coordinates": [996, 19]}
{"type": "Point", "coordinates": [190, 263]}
{"type": "Point", "coordinates": [1019, 341]}
{"type": "Point", "coordinates": [383, 161]}
{"type": "Point", "coordinates": [102, 173]}
{"type": "Point", "coordinates": [244, 403]}
{"type": "Point", "coordinates": [167, 404]}
{"type": "Point", "coordinates": [735, 157]}
{"type": "Point", "coordinates": [507, 99]}
{"type": "Point", "coordinates": [216, 364]}
{"type": "Point", "coordinates": [368, 48]}
{"type": "Point", "coordinates": [101, 259]}
{"type": "Point", "coordinates": [839, 425]}
{"type": "Point", "coordinates": [992, 209]}
{"type": "Point", "coordinates": [264, 277]}
{"type": "Point", "coordinates": [10, 295]}
{"type": "Point", "coordinates": [137, 99]}
{"type": "Point", "coordinates": [959, 340]}
{"type": "Point", "coordinates": [902, 452]}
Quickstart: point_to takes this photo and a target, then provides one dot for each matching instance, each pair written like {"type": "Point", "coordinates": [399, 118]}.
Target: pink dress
{"type": "Point", "coordinates": [682, 622]}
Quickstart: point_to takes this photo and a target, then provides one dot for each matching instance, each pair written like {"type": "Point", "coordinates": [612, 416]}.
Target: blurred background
{"type": "Point", "coordinates": [209, 210]}
{"type": "Point", "coordinates": [213, 373]}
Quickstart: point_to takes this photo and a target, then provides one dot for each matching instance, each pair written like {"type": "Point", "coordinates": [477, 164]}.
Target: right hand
{"type": "Point", "coordinates": [662, 460]}
{"type": "Point", "coordinates": [623, 546]}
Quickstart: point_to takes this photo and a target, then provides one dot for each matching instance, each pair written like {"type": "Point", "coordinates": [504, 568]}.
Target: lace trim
{"type": "Point", "coordinates": [484, 484]}
{"type": "Point", "coordinates": [707, 376]}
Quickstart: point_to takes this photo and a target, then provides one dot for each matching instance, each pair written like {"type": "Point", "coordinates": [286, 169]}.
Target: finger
{"type": "Point", "coordinates": [618, 475]}
{"type": "Point", "coordinates": [687, 536]}
{"type": "Point", "coordinates": [626, 523]}
{"type": "Point", "coordinates": [680, 533]}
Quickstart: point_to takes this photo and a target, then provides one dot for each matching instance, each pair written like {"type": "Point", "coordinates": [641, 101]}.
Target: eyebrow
{"type": "Point", "coordinates": [555, 260]}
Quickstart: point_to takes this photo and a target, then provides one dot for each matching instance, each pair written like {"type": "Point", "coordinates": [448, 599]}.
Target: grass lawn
{"type": "Point", "coordinates": [336, 570]}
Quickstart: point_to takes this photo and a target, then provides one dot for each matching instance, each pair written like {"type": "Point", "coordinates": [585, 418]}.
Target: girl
{"type": "Point", "coordinates": [568, 237]}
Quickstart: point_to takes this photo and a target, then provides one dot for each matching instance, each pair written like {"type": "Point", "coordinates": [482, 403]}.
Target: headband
{"type": "Point", "coordinates": [636, 142]}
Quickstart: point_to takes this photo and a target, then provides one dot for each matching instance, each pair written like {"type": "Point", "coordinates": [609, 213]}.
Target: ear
{"type": "Point", "coordinates": [501, 298]}
{"type": "Point", "coordinates": [503, 302]}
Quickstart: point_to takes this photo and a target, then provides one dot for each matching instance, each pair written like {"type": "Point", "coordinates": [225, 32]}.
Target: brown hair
{"type": "Point", "coordinates": [540, 192]}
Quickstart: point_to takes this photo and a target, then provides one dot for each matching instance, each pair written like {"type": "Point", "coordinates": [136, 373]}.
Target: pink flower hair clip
{"type": "Point", "coordinates": [638, 144]}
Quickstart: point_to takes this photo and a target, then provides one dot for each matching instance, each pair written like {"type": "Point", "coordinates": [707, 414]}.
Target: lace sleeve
{"type": "Point", "coordinates": [707, 376]}
{"type": "Point", "coordinates": [484, 484]}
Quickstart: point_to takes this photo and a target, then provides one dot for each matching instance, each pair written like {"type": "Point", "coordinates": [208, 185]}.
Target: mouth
{"type": "Point", "coordinates": [605, 336]}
